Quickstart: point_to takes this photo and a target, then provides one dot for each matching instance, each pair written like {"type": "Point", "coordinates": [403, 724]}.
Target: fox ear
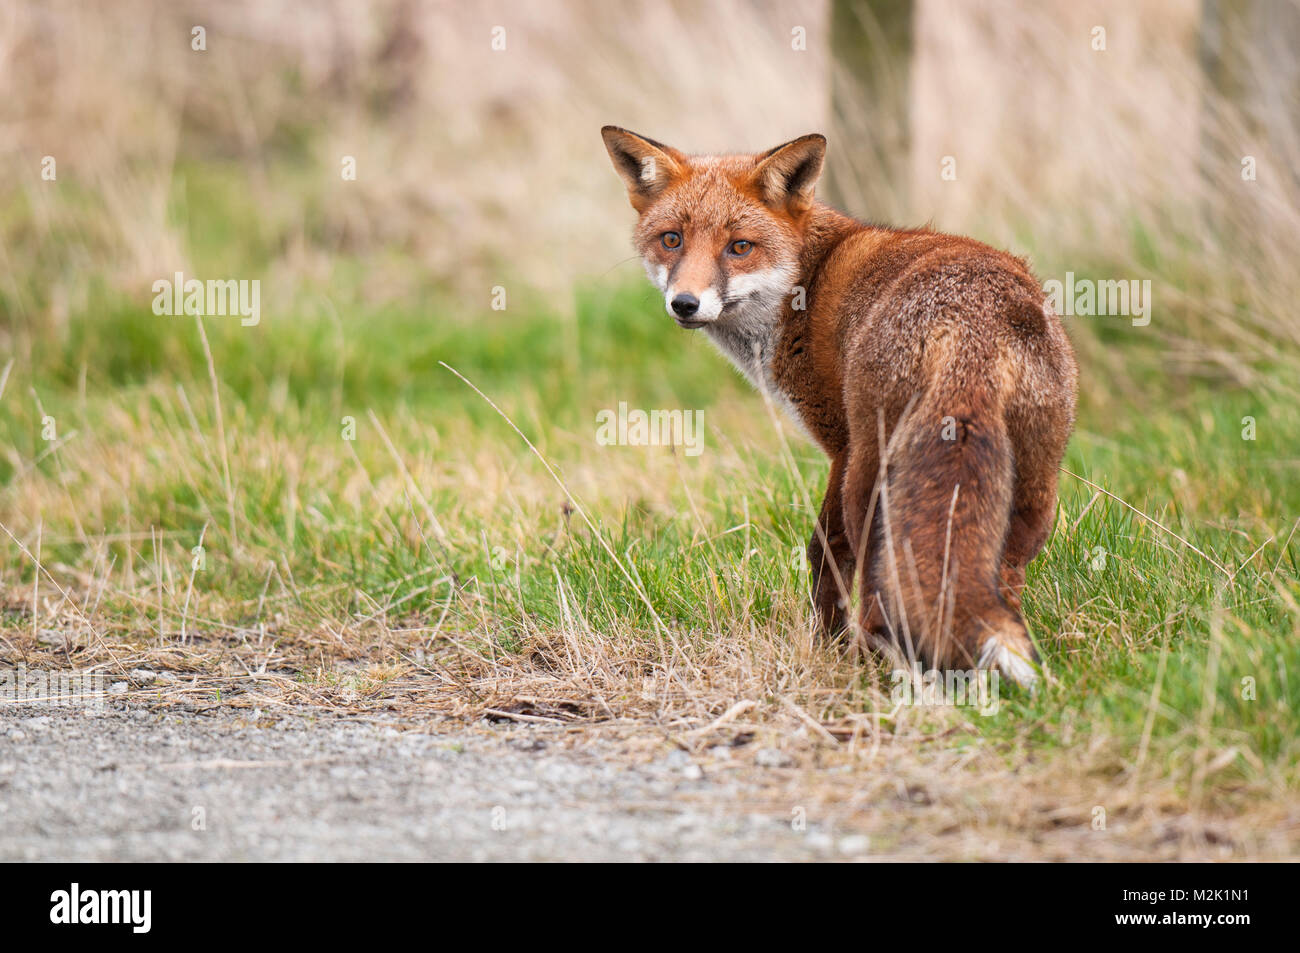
{"type": "Point", "coordinates": [646, 166]}
{"type": "Point", "coordinates": [787, 175]}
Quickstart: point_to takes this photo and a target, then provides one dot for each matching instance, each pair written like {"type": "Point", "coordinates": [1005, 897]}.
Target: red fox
{"type": "Point", "coordinates": [928, 367]}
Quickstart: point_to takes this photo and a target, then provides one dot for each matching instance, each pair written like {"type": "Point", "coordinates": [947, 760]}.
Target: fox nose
{"type": "Point", "coordinates": [685, 305]}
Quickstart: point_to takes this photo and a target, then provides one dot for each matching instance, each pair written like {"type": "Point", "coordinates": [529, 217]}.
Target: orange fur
{"type": "Point", "coordinates": [925, 365]}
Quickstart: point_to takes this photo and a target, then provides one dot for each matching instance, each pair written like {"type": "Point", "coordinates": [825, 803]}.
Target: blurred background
{"type": "Point", "coordinates": [1098, 135]}
{"type": "Point", "coordinates": [1155, 140]}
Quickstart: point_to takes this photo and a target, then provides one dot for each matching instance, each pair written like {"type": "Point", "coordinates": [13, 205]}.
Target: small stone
{"type": "Point", "coordinates": [677, 758]}
{"type": "Point", "coordinates": [56, 638]}
{"type": "Point", "coordinates": [772, 758]}
{"type": "Point", "coordinates": [855, 844]}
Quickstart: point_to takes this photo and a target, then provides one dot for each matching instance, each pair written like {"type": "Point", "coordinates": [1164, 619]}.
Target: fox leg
{"type": "Point", "coordinates": [830, 555]}
{"type": "Point", "coordinates": [861, 516]}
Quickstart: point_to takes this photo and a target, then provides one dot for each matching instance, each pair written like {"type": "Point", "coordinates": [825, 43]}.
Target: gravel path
{"type": "Point", "coordinates": [129, 784]}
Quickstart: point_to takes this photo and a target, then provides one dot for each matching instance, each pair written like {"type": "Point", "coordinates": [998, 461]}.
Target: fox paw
{"type": "Point", "coordinates": [1011, 654]}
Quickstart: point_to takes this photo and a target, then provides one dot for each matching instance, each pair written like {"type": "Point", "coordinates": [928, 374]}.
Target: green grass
{"type": "Point", "coordinates": [464, 525]}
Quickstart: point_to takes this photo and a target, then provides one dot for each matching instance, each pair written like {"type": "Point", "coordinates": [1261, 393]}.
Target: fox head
{"type": "Point", "coordinates": [719, 235]}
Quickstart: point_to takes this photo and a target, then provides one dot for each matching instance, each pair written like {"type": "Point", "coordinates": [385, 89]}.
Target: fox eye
{"type": "Point", "coordinates": [671, 239]}
{"type": "Point", "coordinates": [740, 248]}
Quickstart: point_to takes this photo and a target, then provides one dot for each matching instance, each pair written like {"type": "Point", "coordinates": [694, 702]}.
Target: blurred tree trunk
{"type": "Point", "coordinates": [1251, 102]}
{"type": "Point", "coordinates": [868, 161]}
